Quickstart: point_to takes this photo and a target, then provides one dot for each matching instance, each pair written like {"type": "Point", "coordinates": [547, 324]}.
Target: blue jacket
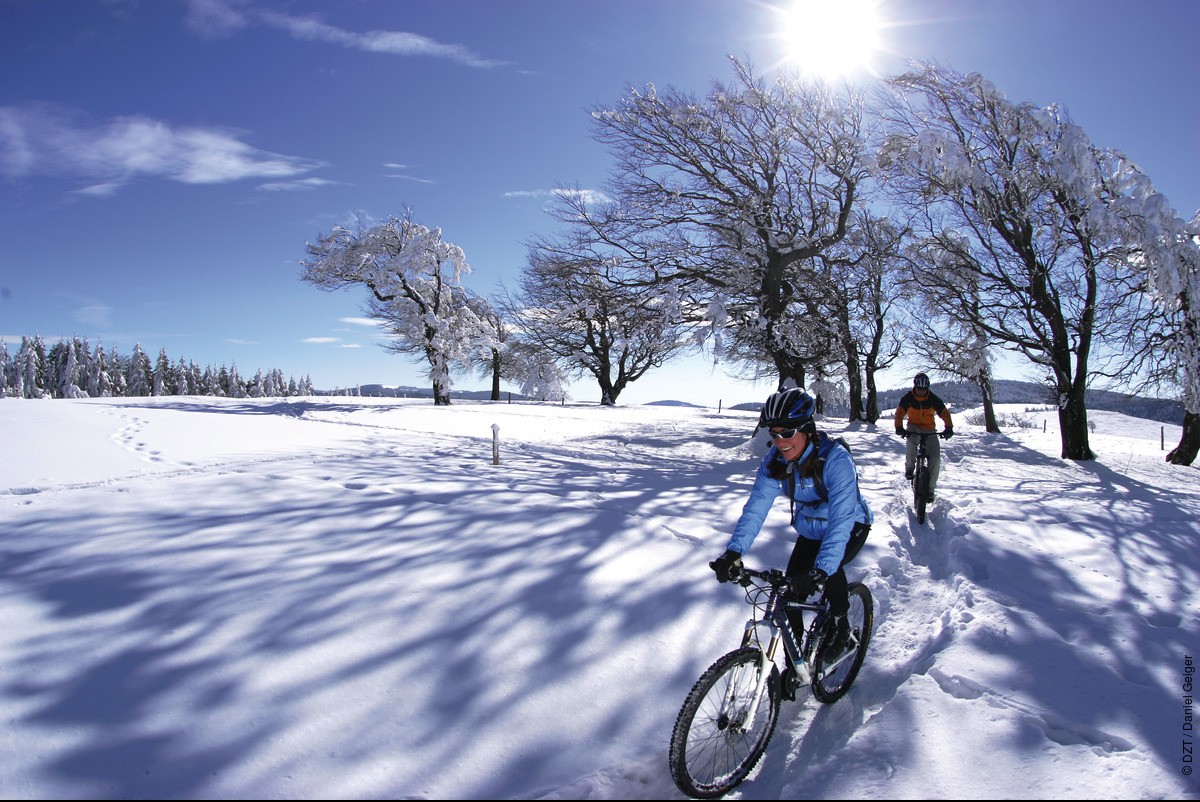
{"type": "Point", "coordinates": [828, 521]}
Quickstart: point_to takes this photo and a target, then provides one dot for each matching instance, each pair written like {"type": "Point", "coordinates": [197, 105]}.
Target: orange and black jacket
{"type": "Point", "coordinates": [920, 412]}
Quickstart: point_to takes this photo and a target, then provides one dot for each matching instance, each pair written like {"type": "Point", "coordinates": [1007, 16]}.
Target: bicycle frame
{"type": "Point", "coordinates": [775, 619]}
{"type": "Point", "coordinates": [922, 452]}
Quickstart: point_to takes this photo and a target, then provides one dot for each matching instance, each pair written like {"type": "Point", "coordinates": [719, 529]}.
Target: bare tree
{"type": "Point", "coordinates": [589, 322]}
{"type": "Point", "coordinates": [863, 287]}
{"type": "Point", "coordinates": [730, 198]}
{"type": "Point", "coordinates": [1010, 198]}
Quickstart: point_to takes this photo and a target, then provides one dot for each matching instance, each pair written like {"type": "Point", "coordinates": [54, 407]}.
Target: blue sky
{"type": "Point", "coordinates": [162, 164]}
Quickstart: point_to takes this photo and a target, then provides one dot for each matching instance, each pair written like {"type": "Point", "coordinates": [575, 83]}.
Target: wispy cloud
{"type": "Point", "coordinates": [47, 140]}
{"type": "Point", "coordinates": [362, 321]}
{"type": "Point", "coordinates": [95, 315]}
{"type": "Point", "coordinates": [321, 340]}
{"type": "Point", "coordinates": [589, 196]}
{"type": "Point", "coordinates": [410, 178]}
{"type": "Point", "coordinates": [216, 18]}
{"type": "Point", "coordinates": [292, 186]}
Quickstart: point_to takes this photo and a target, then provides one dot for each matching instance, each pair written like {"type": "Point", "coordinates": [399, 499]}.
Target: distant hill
{"type": "Point", "coordinates": [961, 395]}
{"type": "Point", "coordinates": [383, 391]}
{"type": "Point", "coordinates": [957, 395]}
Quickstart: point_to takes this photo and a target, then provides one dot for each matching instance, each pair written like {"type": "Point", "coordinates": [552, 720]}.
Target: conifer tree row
{"type": "Point", "coordinates": [72, 369]}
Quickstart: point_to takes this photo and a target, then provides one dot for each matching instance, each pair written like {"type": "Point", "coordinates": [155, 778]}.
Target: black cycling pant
{"type": "Point", "coordinates": [804, 555]}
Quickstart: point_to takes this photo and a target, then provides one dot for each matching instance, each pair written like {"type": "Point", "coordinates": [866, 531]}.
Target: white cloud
{"type": "Point", "coordinates": [396, 43]}
{"type": "Point", "coordinates": [213, 19]}
{"type": "Point", "coordinates": [40, 139]}
{"type": "Point", "coordinates": [321, 340]}
{"type": "Point", "coordinates": [95, 315]}
{"type": "Point", "coordinates": [590, 196]}
{"type": "Point", "coordinates": [361, 321]}
{"type": "Point", "coordinates": [289, 186]}
{"type": "Point", "coordinates": [411, 178]}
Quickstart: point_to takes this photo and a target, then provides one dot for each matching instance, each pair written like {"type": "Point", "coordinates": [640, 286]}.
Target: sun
{"type": "Point", "coordinates": [830, 39]}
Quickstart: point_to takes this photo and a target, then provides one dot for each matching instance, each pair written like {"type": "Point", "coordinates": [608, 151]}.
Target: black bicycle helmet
{"type": "Point", "coordinates": [921, 382]}
{"type": "Point", "coordinates": [791, 408]}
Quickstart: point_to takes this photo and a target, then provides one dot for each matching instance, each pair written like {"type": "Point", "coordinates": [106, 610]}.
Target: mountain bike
{"type": "Point", "coordinates": [920, 480]}
{"type": "Point", "coordinates": [729, 715]}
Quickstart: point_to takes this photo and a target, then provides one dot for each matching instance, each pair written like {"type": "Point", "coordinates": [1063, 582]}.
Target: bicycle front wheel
{"type": "Point", "coordinates": [835, 672]}
{"type": "Point", "coordinates": [714, 746]}
{"type": "Point", "coordinates": [921, 492]}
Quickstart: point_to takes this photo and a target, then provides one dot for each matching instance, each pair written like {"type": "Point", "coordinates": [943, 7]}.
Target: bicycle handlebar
{"type": "Point", "coordinates": [778, 581]}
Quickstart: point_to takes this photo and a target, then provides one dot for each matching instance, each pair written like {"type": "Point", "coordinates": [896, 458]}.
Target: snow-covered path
{"type": "Point", "coordinates": [331, 598]}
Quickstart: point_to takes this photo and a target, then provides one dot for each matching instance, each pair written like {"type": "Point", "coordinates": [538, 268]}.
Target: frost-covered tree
{"type": "Point", "coordinates": [1162, 350]}
{"type": "Point", "coordinates": [1014, 202]}
{"type": "Point", "coordinates": [951, 347]}
{"type": "Point", "coordinates": [139, 375]}
{"type": "Point", "coordinates": [181, 378]}
{"type": "Point", "coordinates": [116, 373]}
{"type": "Point", "coordinates": [209, 384]}
{"type": "Point", "coordinates": [534, 371]}
{"type": "Point", "coordinates": [5, 370]}
{"type": "Point", "coordinates": [99, 374]}
{"type": "Point", "coordinates": [581, 314]}
{"type": "Point", "coordinates": [729, 198]}
{"type": "Point", "coordinates": [256, 387]}
{"type": "Point", "coordinates": [488, 359]}
{"type": "Point", "coordinates": [861, 290]}
{"type": "Point", "coordinates": [31, 368]}
{"type": "Point", "coordinates": [415, 281]}
{"type": "Point", "coordinates": [70, 375]}
{"type": "Point", "coordinates": [273, 384]}
{"type": "Point", "coordinates": [237, 386]}
{"type": "Point", "coordinates": [164, 379]}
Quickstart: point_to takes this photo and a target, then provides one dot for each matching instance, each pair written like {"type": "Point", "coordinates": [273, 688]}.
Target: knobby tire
{"type": "Point", "coordinates": [708, 756]}
{"type": "Point", "coordinates": [828, 688]}
{"type": "Point", "coordinates": [921, 492]}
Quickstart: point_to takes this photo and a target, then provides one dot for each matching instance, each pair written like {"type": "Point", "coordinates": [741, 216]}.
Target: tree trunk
{"type": "Point", "coordinates": [989, 408]}
{"type": "Point", "coordinates": [1072, 421]}
{"type": "Point", "coordinates": [790, 369]}
{"type": "Point", "coordinates": [495, 375]}
{"type": "Point", "coordinates": [441, 394]}
{"type": "Point", "coordinates": [872, 409]}
{"type": "Point", "coordinates": [1189, 441]}
{"type": "Point", "coordinates": [856, 408]}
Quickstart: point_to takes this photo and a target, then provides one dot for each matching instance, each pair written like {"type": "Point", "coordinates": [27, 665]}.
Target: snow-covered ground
{"type": "Point", "coordinates": [336, 598]}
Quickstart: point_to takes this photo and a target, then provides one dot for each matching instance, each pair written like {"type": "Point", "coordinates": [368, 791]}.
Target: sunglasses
{"type": "Point", "coordinates": [784, 435]}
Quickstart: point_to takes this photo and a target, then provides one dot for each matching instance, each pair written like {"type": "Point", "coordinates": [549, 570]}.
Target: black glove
{"type": "Point", "coordinates": [727, 566]}
{"type": "Point", "coordinates": [900, 431]}
{"type": "Point", "coordinates": [810, 583]}
{"type": "Point", "coordinates": [948, 433]}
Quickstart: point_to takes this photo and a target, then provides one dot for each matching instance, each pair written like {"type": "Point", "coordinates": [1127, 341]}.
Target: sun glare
{"type": "Point", "coordinates": [830, 39]}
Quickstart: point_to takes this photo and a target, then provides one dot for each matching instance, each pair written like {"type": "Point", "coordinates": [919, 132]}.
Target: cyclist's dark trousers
{"type": "Point", "coordinates": [805, 554]}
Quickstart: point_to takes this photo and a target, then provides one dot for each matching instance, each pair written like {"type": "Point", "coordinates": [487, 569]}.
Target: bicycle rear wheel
{"type": "Point", "coordinates": [835, 673]}
{"type": "Point", "coordinates": [710, 751]}
{"type": "Point", "coordinates": [921, 492]}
